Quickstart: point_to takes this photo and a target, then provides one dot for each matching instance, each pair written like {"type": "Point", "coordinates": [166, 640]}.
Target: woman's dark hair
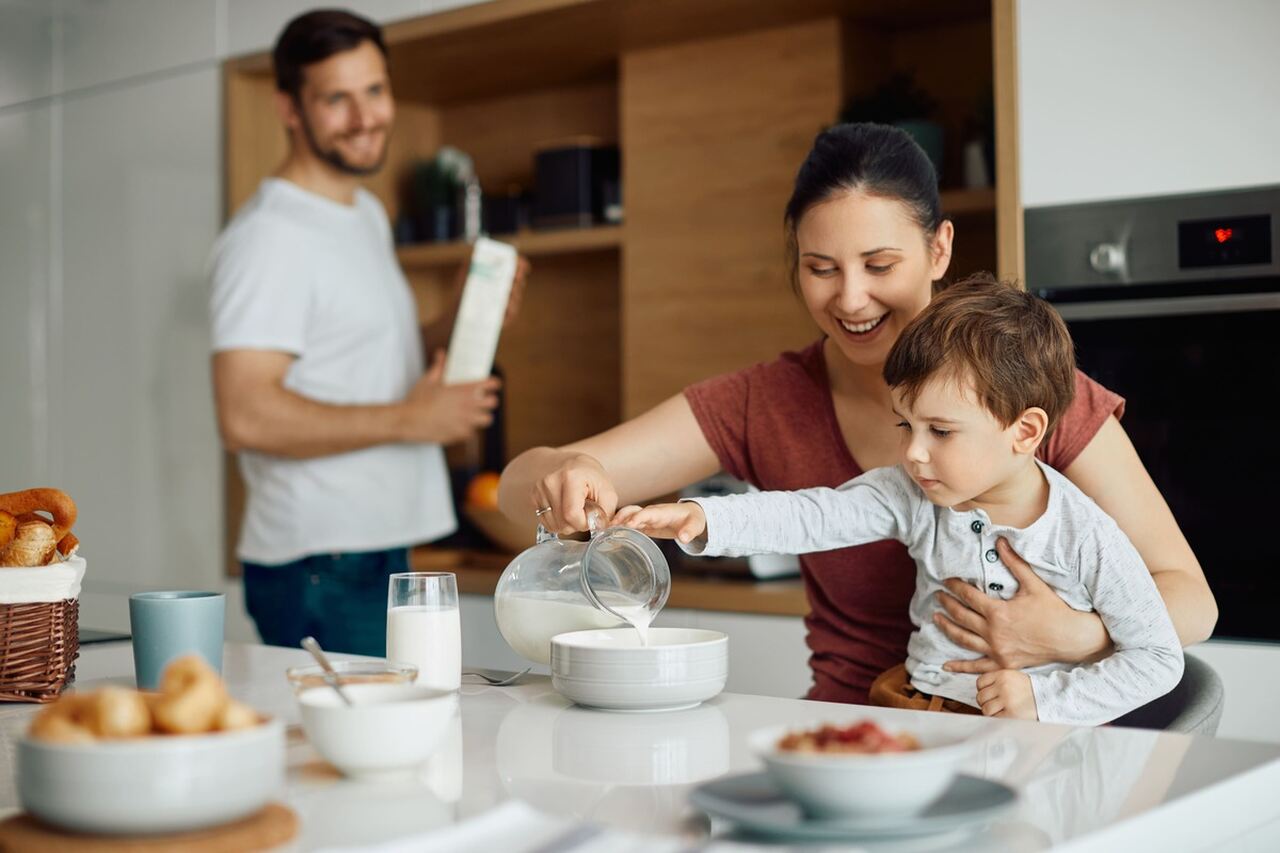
{"type": "Point", "coordinates": [316, 36]}
{"type": "Point", "coordinates": [875, 159]}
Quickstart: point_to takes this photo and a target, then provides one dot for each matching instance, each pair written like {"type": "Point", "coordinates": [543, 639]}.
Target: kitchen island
{"type": "Point", "coordinates": [1079, 789]}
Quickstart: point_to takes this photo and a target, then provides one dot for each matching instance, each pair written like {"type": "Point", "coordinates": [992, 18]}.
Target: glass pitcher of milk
{"type": "Point", "coordinates": [617, 577]}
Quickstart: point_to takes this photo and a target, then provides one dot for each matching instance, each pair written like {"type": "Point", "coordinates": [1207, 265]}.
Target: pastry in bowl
{"type": "Point", "coordinates": [119, 761]}
{"type": "Point", "coordinates": [858, 769]}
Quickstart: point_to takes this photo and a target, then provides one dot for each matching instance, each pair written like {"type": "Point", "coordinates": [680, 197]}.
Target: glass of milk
{"type": "Point", "coordinates": [423, 627]}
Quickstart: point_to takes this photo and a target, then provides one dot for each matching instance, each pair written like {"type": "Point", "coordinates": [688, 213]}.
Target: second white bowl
{"type": "Point", "coordinates": [609, 669]}
{"type": "Point", "coordinates": [390, 728]}
{"type": "Point", "coordinates": [834, 785]}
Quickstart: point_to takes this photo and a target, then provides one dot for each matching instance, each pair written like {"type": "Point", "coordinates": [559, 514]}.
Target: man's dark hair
{"type": "Point", "coordinates": [316, 36]}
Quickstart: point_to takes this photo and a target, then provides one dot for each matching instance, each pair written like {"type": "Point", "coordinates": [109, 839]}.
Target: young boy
{"type": "Point", "coordinates": [979, 379]}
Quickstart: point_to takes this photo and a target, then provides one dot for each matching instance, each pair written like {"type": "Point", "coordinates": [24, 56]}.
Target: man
{"type": "Point", "coordinates": [318, 359]}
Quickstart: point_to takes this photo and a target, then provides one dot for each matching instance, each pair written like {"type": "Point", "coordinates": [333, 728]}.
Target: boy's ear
{"type": "Point", "coordinates": [1029, 430]}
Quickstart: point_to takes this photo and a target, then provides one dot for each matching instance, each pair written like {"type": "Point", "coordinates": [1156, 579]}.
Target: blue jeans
{"type": "Point", "coordinates": [340, 599]}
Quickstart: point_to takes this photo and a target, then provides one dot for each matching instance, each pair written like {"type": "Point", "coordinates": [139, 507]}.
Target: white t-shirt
{"type": "Point", "coordinates": [295, 272]}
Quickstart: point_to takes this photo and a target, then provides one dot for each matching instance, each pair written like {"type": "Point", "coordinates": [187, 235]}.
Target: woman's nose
{"type": "Point", "coordinates": [853, 296]}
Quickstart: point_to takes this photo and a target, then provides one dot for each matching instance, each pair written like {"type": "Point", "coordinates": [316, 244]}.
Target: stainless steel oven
{"type": "Point", "coordinates": [1174, 302]}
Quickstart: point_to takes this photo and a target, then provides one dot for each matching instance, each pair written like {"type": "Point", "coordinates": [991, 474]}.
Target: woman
{"type": "Point", "coordinates": [866, 242]}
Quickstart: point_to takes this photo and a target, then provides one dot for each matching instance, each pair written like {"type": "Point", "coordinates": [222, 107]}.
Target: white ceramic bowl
{"type": "Point", "coordinates": [608, 668]}
{"type": "Point", "coordinates": [390, 728]}
{"type": "Point", "coordinates": [846, 785]}
{"type": "Point", "coordinates": [164, 783]}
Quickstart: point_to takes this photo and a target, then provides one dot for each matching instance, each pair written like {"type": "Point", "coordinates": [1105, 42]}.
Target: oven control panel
{"type": "Point", "coordinates": [1205, 238]}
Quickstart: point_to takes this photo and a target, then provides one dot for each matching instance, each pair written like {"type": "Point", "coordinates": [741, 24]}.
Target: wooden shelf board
{"type": "Point", "coordinates": [478, 573]}
{"type": "Point", "coordinates": [967, 202]}
{"type": "Point", "coordinates": [532, 244]}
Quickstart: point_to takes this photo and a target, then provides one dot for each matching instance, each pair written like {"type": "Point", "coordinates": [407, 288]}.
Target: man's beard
{"type": "Point", "coordinates": [334, 158]}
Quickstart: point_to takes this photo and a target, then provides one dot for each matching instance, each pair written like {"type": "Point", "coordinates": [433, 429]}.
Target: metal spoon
{"type": "Point", "coordinates": [330, 677]}
{"type": "Point", "coordinates": [500, 682]}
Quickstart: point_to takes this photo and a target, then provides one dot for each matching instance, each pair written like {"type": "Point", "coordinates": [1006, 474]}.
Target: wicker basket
{"type": "Point", "coordinates": [39, 644]}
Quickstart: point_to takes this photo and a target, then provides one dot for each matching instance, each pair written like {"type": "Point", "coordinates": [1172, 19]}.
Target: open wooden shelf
{"type": "Point", "coordinates": [535, 244]}
{"type": "Point", "coordinates": [531, 244]}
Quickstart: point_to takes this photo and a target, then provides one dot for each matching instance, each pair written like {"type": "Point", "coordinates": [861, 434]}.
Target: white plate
{"type": "Point", "coordinates": [754, 803]}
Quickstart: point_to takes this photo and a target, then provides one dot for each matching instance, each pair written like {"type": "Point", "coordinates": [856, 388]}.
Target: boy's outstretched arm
{"type": "Point", "coordinates": [877, 505]}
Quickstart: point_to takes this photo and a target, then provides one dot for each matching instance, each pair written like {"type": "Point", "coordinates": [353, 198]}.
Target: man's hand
{"type": "Point", "coordinates": [443, 414]}
{"type": "Point", "coordinates": [1007, 693]}
{"type": "Point", "coordinates": [683, 521]}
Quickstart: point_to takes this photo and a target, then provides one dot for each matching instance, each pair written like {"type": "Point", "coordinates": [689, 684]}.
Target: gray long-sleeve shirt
{"type": "Point", "coordinates": [1074, 546]}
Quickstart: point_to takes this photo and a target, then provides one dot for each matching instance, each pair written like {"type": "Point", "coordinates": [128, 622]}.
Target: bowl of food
{"type": "Point", "coordinates": [614, 669]}
{"type": "Point", "coordinates": [117, 761]}
{"type": "Point", "coordinates": [860, 768]}
{"type": "Point", "coordinates": [388, 730]}
{"type": "Point", "coordinates": [302, 678]}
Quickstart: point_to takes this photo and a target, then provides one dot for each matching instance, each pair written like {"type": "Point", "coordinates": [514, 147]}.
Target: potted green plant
{"type": "Point", "coordinates": [900, 102]}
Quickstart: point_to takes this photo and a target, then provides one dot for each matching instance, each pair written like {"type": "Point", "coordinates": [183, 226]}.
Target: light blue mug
{"type": "Point", "coordinates": [168, 625]}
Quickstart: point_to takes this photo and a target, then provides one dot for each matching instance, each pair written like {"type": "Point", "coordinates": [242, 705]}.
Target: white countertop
{"type": "Point", "coordinates": [1080, 789]}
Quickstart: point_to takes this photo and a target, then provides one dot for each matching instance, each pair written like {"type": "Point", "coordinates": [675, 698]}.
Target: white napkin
{"type": "Point", "coordinates": [43, 583]}
{"type": "Point", "coordinates": [516, 827]}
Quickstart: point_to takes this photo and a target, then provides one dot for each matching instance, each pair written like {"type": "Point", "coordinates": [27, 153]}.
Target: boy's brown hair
{"type": "Point", "coordinates": [1009, 345]}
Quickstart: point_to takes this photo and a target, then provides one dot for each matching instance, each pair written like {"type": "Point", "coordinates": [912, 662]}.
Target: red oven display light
{"type": "Point", "coordinates": [1223, 234]}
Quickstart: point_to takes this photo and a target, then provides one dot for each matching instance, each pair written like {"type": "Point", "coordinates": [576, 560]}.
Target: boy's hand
{"type": "Point", "coordinates": [683, 521]}
{"type": "Point", "coordinates": [1007, 693]}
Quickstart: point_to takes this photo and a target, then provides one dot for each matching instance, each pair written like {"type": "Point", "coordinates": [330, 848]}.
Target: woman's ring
{"type": "Point", "coordinates": [538, 513]}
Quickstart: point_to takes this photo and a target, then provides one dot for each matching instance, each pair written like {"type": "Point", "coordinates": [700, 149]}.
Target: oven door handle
{"type": "Point", "coordinates": [1170, 306]}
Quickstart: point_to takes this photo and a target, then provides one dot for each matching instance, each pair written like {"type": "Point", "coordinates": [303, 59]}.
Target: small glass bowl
{"type": "Point", "coordinates": [352, 672]}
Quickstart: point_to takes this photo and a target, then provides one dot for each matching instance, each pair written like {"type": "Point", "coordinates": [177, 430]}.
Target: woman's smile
{"type": "Point", "coordinates": [863, 331]}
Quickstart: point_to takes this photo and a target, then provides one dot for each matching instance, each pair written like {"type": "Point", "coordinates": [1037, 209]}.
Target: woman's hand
{"type": "Point", "coordinates": [657, 453]}
{"type": "Point", "coordinates": [560, 498]}
{"type": "Point", "coordinates": [1034, 627]}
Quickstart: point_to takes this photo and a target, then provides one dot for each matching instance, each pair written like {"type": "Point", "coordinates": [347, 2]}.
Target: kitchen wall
{"type": "Point", "coordinates": [110, 197]}
{"type": "Point", "coordinates": [1146, 97]}
{"type": "Point", "coordinates": [1157, 97]}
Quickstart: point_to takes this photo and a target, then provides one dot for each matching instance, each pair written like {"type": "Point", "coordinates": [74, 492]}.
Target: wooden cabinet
{"type": "Point", "coordinates": [713, 104]}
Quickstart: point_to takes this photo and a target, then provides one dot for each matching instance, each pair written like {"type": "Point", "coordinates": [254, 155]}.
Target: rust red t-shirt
{"type": "Point", "coordinates": [774, 426]}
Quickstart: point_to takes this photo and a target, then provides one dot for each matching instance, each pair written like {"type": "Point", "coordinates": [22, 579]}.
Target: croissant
{"type": "Point", "coordinates": [28, 538]}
